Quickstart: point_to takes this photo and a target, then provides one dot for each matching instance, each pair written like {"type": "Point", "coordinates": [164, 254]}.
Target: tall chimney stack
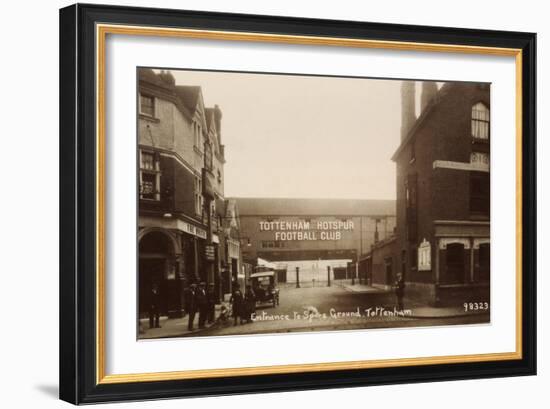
{"type": "Point", "coordinates": [408, 116]}
{"type": "Point", "coordinates": [429, 90]}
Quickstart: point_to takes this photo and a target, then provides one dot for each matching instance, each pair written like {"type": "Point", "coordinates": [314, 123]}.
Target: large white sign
{"type": "Point", "coordinates": [301, 230]}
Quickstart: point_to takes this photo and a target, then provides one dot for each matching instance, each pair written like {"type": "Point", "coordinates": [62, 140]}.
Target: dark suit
{"type": "Point", "coordinates": [400, 293]}
{"type": "Point", "coordinates": [237, 301]}
{"type": "Point", "coordinates": [202, 304]}
{"type": "Point", "coordinates": [154, 309]}
{"type": "Point", "coordinates": [191, 306]}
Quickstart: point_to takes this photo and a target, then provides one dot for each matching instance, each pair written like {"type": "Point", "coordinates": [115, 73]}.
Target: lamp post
{"type": "Point", "coordinates": [297, 277]}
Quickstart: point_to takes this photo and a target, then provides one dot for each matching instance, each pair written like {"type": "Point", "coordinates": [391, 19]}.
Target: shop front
{"type": "Point", "coordinates": [170, 258]}
{"type": "Point", "coordinates": [463, 266]}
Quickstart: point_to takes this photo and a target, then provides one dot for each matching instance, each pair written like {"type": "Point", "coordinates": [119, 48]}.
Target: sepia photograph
{"type": "Point", "coordinates": [279, 202]}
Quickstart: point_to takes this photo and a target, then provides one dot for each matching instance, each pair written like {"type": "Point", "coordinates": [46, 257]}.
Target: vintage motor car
{"type": "Point", "coordinates": [264, 284]}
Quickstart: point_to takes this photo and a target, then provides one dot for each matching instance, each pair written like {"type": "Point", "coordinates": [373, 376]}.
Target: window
{"type": "Point", "coordinates": [480, 121]}
{"type": "Point", "coordinates": [197, 131]}
{"type": "Point", "coordinates": [149, 176]}
{"type": "Point", "coordinates": [213, 211]}
{"type": "Point", "coordinates": [147, 161]}
{"type": "Point", "coordinates": [479, 193]}
{"type": "Point", "coordinates": [147, 105]}
{"type": "Point", "coordinates": [208, 157]}
{"type": "Point", "coordinates": [148, 187]}
{"type": "Point", "coordinates": [198, 195]}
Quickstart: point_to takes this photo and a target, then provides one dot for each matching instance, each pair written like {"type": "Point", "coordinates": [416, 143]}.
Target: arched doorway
{"type": "Point", "coordinates": [156, 268]}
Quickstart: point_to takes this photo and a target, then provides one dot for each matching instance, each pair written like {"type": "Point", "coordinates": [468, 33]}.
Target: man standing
{"type": "Point", "coordinates": [191, 305]}
{"type": "Point", "coordinates": [250, 303]}
{"type": "Point", "coordinates": [211, 299]}
{"type": "Point", "coordinates": [237, 301]}
{"type": "Point", "coordinates": [400, 291]}
{"type": "Point", "coordinates": [154, 307]}
{"type": "Point", "coordinates": [202, 304]}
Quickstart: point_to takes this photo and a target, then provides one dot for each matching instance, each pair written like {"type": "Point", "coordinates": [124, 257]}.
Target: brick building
{"type": "Point", "coordinates": [377, 267]}
{"type": "Point", "coordinates": [442, 241]}
{"type": "Point", "coordinates": [181, 235]}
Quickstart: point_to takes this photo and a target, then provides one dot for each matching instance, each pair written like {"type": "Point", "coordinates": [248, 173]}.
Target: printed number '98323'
{"type": "Point", "coordinates": [475, 306]}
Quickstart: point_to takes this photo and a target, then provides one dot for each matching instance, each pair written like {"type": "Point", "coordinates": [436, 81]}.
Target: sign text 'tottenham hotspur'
{"type": "Point", "coordinates": [305, 230]}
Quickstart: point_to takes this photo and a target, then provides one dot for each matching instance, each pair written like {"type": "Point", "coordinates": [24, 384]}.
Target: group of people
{"type": "Point", "coordinates": [243, 305]}
{"type": "Point", "coordinates": [202, 300]}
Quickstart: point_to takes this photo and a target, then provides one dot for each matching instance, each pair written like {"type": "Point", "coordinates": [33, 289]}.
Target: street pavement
{"type": "Point", "coordinates": [338, 307]}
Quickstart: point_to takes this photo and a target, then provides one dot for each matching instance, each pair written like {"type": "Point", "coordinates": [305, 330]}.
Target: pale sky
{"type": "Point", "coordinates": [304, 137]}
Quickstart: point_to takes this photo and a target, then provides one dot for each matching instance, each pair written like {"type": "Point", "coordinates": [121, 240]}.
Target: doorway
{"type": "Point", "coordinates": [455, 263]}
{"type": "Point", "coordinates": [155, 251]}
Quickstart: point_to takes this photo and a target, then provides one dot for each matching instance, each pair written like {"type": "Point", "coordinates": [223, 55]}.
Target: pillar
{"type": "Point", "coordinates": [472, 261]}
{"type": "Point", "coordinates": [437, 261]}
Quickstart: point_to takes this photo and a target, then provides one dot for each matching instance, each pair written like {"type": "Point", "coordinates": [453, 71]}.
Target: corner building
{"type": "Point", "coordinates": [443, 193]}
{"type": "Point", "coordinates": [180, 184]}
